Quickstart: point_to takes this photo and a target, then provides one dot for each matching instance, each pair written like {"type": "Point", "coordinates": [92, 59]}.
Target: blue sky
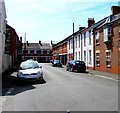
{"type": "Point", "coordinates": [48, 20]}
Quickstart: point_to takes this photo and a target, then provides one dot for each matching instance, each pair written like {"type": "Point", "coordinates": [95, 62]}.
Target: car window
{"type": "Point", "coordinates": [79, 62]}
{"type": "Point", "coordinates": [29, 65]}
{"type": "Point", "coordinates": [56, 61]}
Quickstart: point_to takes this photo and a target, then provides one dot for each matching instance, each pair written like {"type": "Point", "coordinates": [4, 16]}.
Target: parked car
{"type": "Point", "coordinates": [30, 70]}
{"type": "Point", "coordinates": [56, 63]}
{"type": "Point", "coordinates": [77, 65]}
{"type": "Point", "coordinates": [51, 61]}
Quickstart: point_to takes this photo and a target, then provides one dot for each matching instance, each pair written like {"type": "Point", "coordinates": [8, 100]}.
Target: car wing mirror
{"type": "Point", "coordinates": [40, 66]}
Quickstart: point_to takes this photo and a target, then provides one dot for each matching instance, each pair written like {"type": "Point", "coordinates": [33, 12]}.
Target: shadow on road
{"type": "Point", "coordinates": [11, 86]}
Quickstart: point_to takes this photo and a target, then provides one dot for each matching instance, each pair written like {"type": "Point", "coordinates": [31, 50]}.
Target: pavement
{"type": "Point", "coordinates": [104, 74]}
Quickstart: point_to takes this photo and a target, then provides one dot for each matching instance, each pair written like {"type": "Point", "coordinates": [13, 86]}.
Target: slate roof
{"type": "Point", "coordinates": [37, 46]}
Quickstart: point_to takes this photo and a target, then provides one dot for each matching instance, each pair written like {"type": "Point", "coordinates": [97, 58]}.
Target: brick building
{"type": "Point", "coordinates": [42, 52]}
{"type": "Point", "coordinates": [107, 43]}
{"type": "Point", "coordinates": [60, 51]}
{"type": "Point", "coordinates": [13, 46]}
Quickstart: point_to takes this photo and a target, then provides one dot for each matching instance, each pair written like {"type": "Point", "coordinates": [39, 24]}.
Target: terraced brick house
{"type": "Point", "coordinates": [42, 52]}
{"type": "Point", "coordinates": [60, 51]}
{"type": "Point", "coordinates": [107, 43]}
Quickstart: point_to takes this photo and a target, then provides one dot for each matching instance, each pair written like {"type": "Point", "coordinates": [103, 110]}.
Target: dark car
{"type": "Point", "coordinates": [77, 65]}
{"type": "Point", "coordinates": [56, 63]}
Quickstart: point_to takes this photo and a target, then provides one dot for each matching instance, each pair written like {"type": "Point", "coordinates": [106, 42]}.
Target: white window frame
{"type": "Point", "coordinates": [97, 37]}
{"type": "Point", "coordinates": [108, 58]}
{"type": "Point", "coordinates": [98, 58]}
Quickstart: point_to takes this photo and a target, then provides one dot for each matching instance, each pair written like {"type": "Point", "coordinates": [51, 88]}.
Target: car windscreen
{"type": "Point", "coordinates": [29, 65]}
{"type": "Point", "coordinates": [80, 63]}
{"type": "Point", "coordinates": [57, 61]}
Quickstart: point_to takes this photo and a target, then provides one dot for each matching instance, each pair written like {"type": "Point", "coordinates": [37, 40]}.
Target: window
{"type": "Point", "coordinates": [84, 56]}
{"type": "Point", "coordinates": [48, 51]}
{"type": "Point", "coordinates": [79, 55]}
{"type": "Point", "coordinates": [41, 51]}
{"type": "Point", "coordinates": [108, 58]}
{"type": "Point", "coordinates": [79, 41]}
{"type": "Point", "coordinates": [28, 51]}
{"type": "Point", "coordinates": [76, 41]}
{"type": "Point", "coordinates": [97, 58]}
{"type": "Point", "coordinates": [107, 33]}
{"type": "Point", "coordinates": [84, 39]}
{"type": "Point", "coordinates": [97, 38]}
{"type": "Point", "coordinates": [89, 37]}
{"type": "Point", "coordinates": [35, 52]}
{"type": "Point", "coordinates": [90, 58]}
{"type": "Point", "coordinates": [76, 55]}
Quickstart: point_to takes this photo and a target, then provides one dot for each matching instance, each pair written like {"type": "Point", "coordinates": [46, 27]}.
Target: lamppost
{"type": "Point", "coordinates": [73, 43]}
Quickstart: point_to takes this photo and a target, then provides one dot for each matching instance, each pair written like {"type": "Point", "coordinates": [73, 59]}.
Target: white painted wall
{"type": "Point", "coordinates": [87, 48]}
{"type": "Point", "coordinates": [81, 48]}
{"type": "Point", "coordinates": [5, 59]}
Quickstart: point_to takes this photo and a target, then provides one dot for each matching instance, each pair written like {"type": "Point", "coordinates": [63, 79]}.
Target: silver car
{"type": "Point", "coordinates": [30, 70]}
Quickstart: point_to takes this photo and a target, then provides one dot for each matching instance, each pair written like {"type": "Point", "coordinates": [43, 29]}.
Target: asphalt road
{"type": "Point", "coordinates": [62, 91]}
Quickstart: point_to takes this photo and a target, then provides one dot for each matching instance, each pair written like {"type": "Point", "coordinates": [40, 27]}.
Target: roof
{"type": "Point", "coordinates": [38, 46]}
{"type": "Point", "coordinates": [110, 19]}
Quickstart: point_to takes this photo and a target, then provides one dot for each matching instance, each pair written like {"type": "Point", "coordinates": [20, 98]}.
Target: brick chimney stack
{"type": "Point", "coordinates": [21, 39]}
{"type": "Point", "coordinates": [91, 21]}
{"type": "Point", "coordinates": [115, 10]}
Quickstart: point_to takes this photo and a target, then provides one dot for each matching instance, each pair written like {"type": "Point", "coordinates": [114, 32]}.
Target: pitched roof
{"type": "Point", "coordinates": [37, 46]}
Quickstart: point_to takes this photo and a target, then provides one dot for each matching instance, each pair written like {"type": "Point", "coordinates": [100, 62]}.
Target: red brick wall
{"type": "Point", "coordinates": [114, 47]}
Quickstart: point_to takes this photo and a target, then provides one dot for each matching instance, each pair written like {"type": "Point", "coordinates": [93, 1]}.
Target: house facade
{"type": "Point", "coordinates": [42, 52]}
{"type": "Point", "coordinates": [13, 46]}
{"type": "Point", "coordinates": [98, 44]}
{"type": "Point", "coordinates": [107, 43]}
{"type": "Point", "coordinates": [60, 51]}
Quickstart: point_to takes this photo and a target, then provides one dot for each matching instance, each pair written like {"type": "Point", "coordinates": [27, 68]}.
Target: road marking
{"type": "Point", "coordinates": [101, 76]}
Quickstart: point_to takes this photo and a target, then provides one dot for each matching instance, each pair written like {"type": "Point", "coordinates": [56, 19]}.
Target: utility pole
{"type": "Point", "coordinates": [73, 43]}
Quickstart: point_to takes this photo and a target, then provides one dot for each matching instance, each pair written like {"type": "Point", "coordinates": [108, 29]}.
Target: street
{"type": "Point", "coordinates": [62, 91]}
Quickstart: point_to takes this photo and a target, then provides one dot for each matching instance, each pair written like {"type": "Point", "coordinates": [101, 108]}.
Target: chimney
{"type": "Point", "coordinates": [27, 43]}
{"type": "Point", "coordinates": [91, 21]}
{"type": "Point", "coordinates": [40, 42]}
{"type": "Point", "coordinates": [21, 39]}
{"type": "Point", "coordinates": [115, 10]}
{"type": "Point", "coordinates": [80, 28]}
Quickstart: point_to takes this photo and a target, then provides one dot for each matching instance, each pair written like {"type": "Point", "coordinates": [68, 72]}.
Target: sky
{"type": "Point", "coordinates": [48, 20]}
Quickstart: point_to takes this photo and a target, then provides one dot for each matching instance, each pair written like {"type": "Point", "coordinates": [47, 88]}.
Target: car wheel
{"type": "Point", "coordinates": [67, 69]}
